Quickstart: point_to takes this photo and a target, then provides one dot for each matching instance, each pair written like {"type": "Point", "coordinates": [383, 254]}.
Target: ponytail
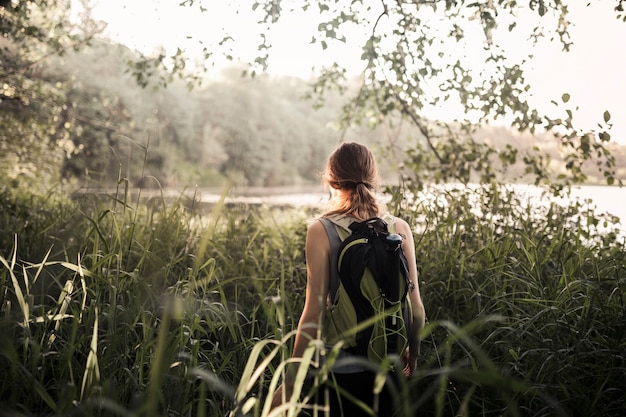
{"type": "Point", "coordinates": [364, 203]}
{"type": "Point", "coordinates": [352, 170]}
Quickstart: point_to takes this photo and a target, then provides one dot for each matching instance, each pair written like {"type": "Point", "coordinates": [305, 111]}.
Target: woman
{"type": "Point", "coordinates": [352, 176]}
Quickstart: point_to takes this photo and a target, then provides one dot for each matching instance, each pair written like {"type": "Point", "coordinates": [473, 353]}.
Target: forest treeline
{"type": "Point", "coordinates": [94, 125]}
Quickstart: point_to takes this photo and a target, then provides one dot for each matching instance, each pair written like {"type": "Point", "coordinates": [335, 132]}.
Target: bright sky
{"type": "Point", "coordinates": [592, 72]}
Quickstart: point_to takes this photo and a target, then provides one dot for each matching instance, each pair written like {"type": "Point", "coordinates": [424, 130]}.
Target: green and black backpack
{"type": "Point", "coordinates": [368, 290]}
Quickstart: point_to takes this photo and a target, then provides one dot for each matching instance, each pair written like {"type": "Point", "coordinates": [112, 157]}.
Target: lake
{"type": "Point", "coordinates": [606, 199]}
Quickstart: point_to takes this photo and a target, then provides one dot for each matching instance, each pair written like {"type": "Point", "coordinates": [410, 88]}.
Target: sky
{"type": "Point", "coordinates": [593, 72]}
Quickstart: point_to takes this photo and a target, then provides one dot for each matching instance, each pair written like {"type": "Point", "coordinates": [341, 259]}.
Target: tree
{"type": "Point", "coordinates": [68, 106]}
{"type": "Point", "coordinates": [34, 131]}
{"type": "Point", "coordinates": [423, 53]}
{"type": "Point", "coordinates": [410, 52]}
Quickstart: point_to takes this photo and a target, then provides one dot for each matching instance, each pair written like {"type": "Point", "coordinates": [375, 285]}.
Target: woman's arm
{"type": "Point", "coordinates": [417, 306]}
{"type": "Point", "coordinates": [317, 251]}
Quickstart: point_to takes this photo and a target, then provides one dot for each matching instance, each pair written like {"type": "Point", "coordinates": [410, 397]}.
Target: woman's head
{"type": "Point", "coordinates": [351, 171]}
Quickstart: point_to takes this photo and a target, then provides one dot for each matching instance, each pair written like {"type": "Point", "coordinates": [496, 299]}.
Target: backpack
{"type": "Point", "coordinates": [368, 286]}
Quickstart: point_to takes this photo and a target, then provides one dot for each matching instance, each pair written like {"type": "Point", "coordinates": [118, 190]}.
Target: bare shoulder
{"type": "Point", "coordinates": [315, 227]}
{"type": "Point", "coordinates": [317, 245]}
{"type": "Point", "coordinates": [316, 233]}
{"type": "Point", "coordinates": [402, 227]}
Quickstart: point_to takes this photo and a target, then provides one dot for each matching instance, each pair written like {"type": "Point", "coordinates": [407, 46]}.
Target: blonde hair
{"type": "Point", "coordinates": [352, 170]}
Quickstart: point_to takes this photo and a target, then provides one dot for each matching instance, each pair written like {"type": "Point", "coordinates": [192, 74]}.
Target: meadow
{"type": "Point", "coordinates": [119, 308]}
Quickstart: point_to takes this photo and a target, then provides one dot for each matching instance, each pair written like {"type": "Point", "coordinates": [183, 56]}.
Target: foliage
{"type": "Point", "coordinates": [421, 54]}
{"type": "Point", "coordinates": [268, 135]}
{"type": "Point", "coordinates": [96, 124]}
{"type": "Point", "coordinates": [203, 137]}
{"type": "Point", "coordinates": [544, 283]}
{"type": "Point", "coordinates": [118, 307]}
{"type": "Point", "coordinates": [153, 307]}
{"type": "Point", "coordinates": [72, 107]}
{"type": "Point", "coordinates": [142, 308]}
{"type": "Point", "coordinates": [33, 133]}
{"type": "Point", "coordinates": [252, 132]}
{"type": "Point", "coordinates": [116, 120]}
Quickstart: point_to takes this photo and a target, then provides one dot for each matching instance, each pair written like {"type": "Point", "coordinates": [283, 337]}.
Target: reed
{"type": "Point", "coordinates": [122, 308]}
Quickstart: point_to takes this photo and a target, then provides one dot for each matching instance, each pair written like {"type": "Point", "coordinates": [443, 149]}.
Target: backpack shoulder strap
{"type": "Point", "coordinates": [335, 242]}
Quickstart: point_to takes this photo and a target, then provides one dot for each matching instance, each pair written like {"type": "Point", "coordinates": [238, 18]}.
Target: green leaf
{"type": "Point", "coordinates": [565, 97]}
{"type": "Point", "coordinates": [607, 116]}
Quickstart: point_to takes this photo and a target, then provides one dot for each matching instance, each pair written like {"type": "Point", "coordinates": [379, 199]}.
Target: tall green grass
{"type": "Point", "coordinates": [142, 311]}
{"type": "Point", "coordinates": [117, 307]}
{"type": "Point", "coordinates": [543, 295]}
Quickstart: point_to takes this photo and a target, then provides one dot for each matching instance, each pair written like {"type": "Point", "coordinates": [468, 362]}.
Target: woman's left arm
{"type": "Point", "coordinates": [317, 251]}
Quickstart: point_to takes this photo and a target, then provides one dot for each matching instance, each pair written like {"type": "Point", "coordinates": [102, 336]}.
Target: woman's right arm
{"type": "Point", "coordinates": [418, 313]}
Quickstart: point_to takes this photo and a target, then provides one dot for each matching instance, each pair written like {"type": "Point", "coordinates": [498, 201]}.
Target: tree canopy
{"type": "Point", "coordinates": [419, 54]}
{"type": "Point", "coordinates": [69, 108]}
{"type": "Point", "coordinates": [34, 130]}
